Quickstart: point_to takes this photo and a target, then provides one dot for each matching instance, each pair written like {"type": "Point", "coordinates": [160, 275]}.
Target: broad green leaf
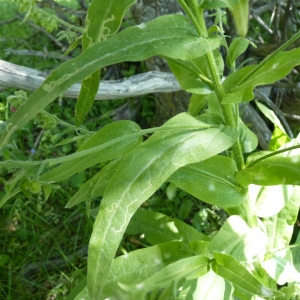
{"type": "Point", "coordinates": [103, 19]}
{"type": "Point", "coordinates": [280, 227]}
{"type": "Point", "coordinates": [171, 36]}
{"type": "Point", "coordinates": [120, 137]}
{"type": "Point", "coordinates": [266, 73]}
{"type": "Point", "coordinates": [140, 174]}
{"type": "Point", "coordinates": [137, 266]}
{"type": "Point", "coordinates": [209, 4]}
{"type": "Point", "coordinates": [196, 104]}
{"type": "Point", "coordinates": [268, 201]}
{"type": "Point", "coordinates": [265, 168]}
{"type": "Point", "coordinates": [207, 287]}
{"type": "Point", "coordinates": [188, 78]}
{"type": "Point", "coordinates": [232, 270]}
{"type": "Point", "coordinates": [239, 240]}
{"type": "Point", "coordinates": [159, 228]}
{"type": "Point", "coordinates": [240, 13]}
{"type": "Point", "coordinates": [190, 267]}
{"type": "Point", "coordinates": [95, 186]}
{"type": "Point", "coordinates": [236, 48]}
{"type": "Point", "coordinates": [211, 181]}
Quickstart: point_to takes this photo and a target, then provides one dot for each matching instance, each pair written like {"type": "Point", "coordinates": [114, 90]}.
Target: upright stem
{"type": "Point", "coordinates": [227, 109]}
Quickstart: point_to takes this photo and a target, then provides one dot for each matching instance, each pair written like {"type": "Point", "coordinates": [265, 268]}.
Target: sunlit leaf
{"type": "Point", "coordinates": [239, 240]}
{"type": "Point", "coordinates": [140, 174]}
{"type": "Point", "coordinates": [229, 268]}
{"type": "Point", "coordinates": [207, 287]}
{"type": "Point", "coordinates": [265, 168]}
{"type": "Point", "coordinates": [280, 227]}
{"type": "Point", "coordinates": [134, 268]}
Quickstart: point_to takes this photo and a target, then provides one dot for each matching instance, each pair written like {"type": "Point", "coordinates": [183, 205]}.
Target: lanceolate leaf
{"type": "Point", "coordinates": [240, 13]}
{"type": "Point", "coordinates": [171, 36]}
{"type": "Point", "coordinates": [159, 228]}
{"type": "Point", "coordinates": [180, 269]}
{"type": "Point", "coordinates": [274, 69]}
{"type": "Point", "coordinates": [136, 266]}
{"type": "Point", "coordinates": [103, 19]}
{"type": "Point", "coordinates": [140, 174]}
{"type": "Point", "coordinates": [283, 168]}
{"type": "Point", "coordinates": [229, 268]}
{"type": "Point", "coordinates": [236, 48]}
{"type": "Point", "coordinates": [121, 137]}
{"type": "Point", "coordinates": [211, 181]}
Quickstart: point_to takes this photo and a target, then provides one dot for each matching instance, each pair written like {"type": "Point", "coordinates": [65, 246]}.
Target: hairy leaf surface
{"type": "Point", "coordinates": [140, 174]}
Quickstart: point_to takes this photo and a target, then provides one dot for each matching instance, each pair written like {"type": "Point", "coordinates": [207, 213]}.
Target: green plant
{"type": "Point", "coordinates": [250, 256]}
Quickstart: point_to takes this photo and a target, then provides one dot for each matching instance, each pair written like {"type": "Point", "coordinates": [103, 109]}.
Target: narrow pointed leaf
{"type": "Point", "coordinates": [229, 268]}
{"type": "Point", "coordinates": [120, 138]}
{"type": "Point", "coordinates": [211, 181]}
{"type": "Point", "coordinates": [182, 268]}
{"type": "Point", "coordinates": [171, 36]}
{"type": "Point", "coordinates": [240, 13]}
{"type": "Point", "coordinates": [140, 174]}
{"type": "Point", "coordinates": [236, 48]}
{"type": "Point", "coordinates": [265, 168]}
{"type": "Point", "coordinates": [110, 14]}
{"type": "Point", "coordinates": [158, 228]}
{"type": "Point", "coordinates": [276, 68]}
{"type": "Point", "coordinates": [135, 267]}
{"type": "Point", "coordinates": [95, 186]}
